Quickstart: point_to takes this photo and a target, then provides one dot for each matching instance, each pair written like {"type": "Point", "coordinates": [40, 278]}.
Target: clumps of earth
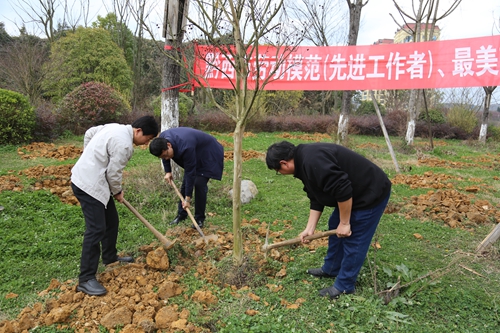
{"type": "Point", "coordinates": [144, 296]}
{"type": "Point", "coordinates": [141, 295]}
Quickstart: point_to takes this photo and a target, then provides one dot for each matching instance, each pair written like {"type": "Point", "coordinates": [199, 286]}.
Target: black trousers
{"type": "Point", "coordinates": [101, 228]}
{"type": "Point", "coordinates": [200, 198]}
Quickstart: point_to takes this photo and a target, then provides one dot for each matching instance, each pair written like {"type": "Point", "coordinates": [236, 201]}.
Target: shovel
{"type": "Point", "coordinates": [266, 247]}
{"type": "Point", "coordinates": [167, 243]}
{"type": "Point", "coordinates": [211, 237]}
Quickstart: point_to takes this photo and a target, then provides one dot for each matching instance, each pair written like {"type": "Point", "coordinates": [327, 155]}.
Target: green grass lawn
{"type": "Point", "coordinates": [447, 287]}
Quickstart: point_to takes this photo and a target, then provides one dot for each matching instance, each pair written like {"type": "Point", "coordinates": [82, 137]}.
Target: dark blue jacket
{"type": "Point", "coordinates": [197, 152]}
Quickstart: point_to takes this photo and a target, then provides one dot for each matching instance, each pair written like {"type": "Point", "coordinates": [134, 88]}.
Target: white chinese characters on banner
{"type": "Point", "coordinates": [441, 64]}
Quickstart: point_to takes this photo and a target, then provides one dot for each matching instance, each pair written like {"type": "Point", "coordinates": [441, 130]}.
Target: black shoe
{"type": "Point", "coordinates": [125, 259]}
{"type": "Point", "coordinates": [121, 259]}
{"type": "Point", "coordinates": [178, 219]}
{"type": "Point", "coordinates": [318, 272]}
{"type": "Point", "coordinates": [200, 224]}
{"type": "Point", "coordinates": [333, 292]}
{"type": "Point", "coordinates": [91, 287]}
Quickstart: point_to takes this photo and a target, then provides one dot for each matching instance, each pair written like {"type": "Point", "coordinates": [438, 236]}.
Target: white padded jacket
{"type": "Point", "coordinates": [106, 151]}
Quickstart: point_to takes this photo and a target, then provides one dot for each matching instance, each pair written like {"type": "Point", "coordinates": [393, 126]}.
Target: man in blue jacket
{"type": "Point", "coordinates": [334, 176]}
{"type": "Point", "coordinates": [200, 155]}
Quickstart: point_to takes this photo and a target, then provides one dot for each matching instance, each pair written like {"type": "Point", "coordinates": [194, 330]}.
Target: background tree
{"type": "Point", "coordinates": [425, 14]}
{"type": "Point", "coordinates": [120, 34]}
{"type": "Point", "coordinates": [486, 111]}
{"type": "Point", "coordinates": [89, 54]}
{"type": "Point", "coordinates": [4, 36]}
{"type": "Point", "coordinates": [355, 8]}
{"type": "Point", "coordinates": [323, 23]}
{"type": "Point", "coordinates": [22, 66]}
{"type": "Point", "coordinates": [42, 13]}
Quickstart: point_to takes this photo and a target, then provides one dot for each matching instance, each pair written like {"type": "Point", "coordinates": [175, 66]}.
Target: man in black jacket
{"type": "Point", "coordinates": [202, 158]}
{"type": "Point", "coordinates": [335, 176]}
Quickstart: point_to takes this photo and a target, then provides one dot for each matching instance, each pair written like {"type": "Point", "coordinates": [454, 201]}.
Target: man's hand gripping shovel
{"type": "Point", "coordinates": [205, 238]}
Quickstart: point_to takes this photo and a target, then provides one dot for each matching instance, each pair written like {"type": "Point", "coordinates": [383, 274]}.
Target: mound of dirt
{"type": "Point", "coordinates": [142, 296]}
{"type": "Point", "coordinates": [446, 204]}
{"type": "Point", "coordinates": [49, 150]}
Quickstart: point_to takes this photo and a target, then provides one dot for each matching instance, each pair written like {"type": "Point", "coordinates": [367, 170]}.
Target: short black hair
{"type": "Point", "coordinates": [280, 151]}
{"type": "Point", "coordinates": [147, 124]}
{"type": "Point", "coordinates": [157, 146]}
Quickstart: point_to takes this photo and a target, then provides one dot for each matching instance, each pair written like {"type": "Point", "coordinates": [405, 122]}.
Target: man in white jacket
{"type": "Point", "coordinates": [96, 179]}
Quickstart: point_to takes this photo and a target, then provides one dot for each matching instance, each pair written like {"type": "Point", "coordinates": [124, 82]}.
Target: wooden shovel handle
{"type": "Point", "coordinates": [167, 243]}
{"type": "Point", "coordinates": [267, 247]}
{"type": "Point", "coordinates": [189, 212]}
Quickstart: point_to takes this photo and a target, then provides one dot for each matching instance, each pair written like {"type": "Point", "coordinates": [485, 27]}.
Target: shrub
{"type": "Point", "coordinates": [46, 128]}
{"type": "Point", "coordinates": [396, 122]}
{"type": "Point", "coordinates": [281, 102]}
{"type": "Point", "coordinates": [493, 133]}
{"type": "Point", "coordinates": [367, 108]}
{"type": "Point", "coordinates": [83, 56]}
{"type": "Point", "coordinates": [462, 118]}
{"type": "Point", "coordinates": [91, 104]}
{"type": "Point", "coordinates": [436, 116]}
{"type": "Point", "coordinates": [17, 120]}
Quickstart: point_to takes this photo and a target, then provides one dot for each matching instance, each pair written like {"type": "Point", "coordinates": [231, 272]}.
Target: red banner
{"type": "Point", "coordinates": [470, 62]}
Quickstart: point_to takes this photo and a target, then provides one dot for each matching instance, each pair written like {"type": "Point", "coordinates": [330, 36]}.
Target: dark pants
{"type": "Point", "coordinates": [200, 198]}
{"type": "Point", "coordinates": [345, 256]}
{"type": "Point", "coordinates": [101, 228]}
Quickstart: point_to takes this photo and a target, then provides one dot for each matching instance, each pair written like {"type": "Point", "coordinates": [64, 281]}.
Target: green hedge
{"type": "Point", "coordinates": [17, 120]}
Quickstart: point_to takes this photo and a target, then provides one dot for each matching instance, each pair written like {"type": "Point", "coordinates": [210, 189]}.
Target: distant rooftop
{"type": "Point", "coordinates": [384, 41]}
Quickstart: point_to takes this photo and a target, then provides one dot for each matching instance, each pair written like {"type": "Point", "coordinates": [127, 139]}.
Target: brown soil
{"type": "Point", "coordinates": [140, 295]}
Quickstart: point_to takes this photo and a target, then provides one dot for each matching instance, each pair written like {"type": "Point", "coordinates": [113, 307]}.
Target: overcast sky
{"type": "Point", "coordinates": [473, 18]}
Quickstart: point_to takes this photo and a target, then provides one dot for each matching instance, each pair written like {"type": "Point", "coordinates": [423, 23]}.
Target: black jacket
{"type": "Point", "coordinates": [332, 173]}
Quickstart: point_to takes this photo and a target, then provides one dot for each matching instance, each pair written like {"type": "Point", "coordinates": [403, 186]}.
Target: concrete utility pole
{"type": "Point", "coordinates": [174, 24]}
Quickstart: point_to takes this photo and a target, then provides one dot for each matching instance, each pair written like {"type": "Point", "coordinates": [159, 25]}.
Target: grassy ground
{"type": "Point", "coordinates": [447, 286]}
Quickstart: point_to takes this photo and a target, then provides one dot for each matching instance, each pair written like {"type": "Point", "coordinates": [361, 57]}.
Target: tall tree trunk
{"type": "Point", "coordinates": [354, 19]}
{"type": "Point", "coordinates": [169, 96]}
{"type": "Point", "coordinates": [486, 112]}
{"type": "Point", "coordinates": [237, 174]}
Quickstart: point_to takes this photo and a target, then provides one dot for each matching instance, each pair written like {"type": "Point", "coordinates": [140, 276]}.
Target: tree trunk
{"type": "Point", "coordinates": [169, 96]}
{"type": "Point", "coordinates": [412, 117]}
{"type": "Point", "coordinates": [354, 19]}
{"type": "Point", "coordinates": [342, 130]}
{"type": "Point", "coordinates": [237, 174]}
{"type": "Point", "coordinates": [486, 112]}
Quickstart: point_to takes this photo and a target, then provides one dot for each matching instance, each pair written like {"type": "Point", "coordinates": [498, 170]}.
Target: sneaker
{"type": "Point", "coordinates": [318, 272]}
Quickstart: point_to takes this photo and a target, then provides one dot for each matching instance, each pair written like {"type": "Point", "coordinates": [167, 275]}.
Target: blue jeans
{"type": "Point", "coordinates": [345, 256]}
